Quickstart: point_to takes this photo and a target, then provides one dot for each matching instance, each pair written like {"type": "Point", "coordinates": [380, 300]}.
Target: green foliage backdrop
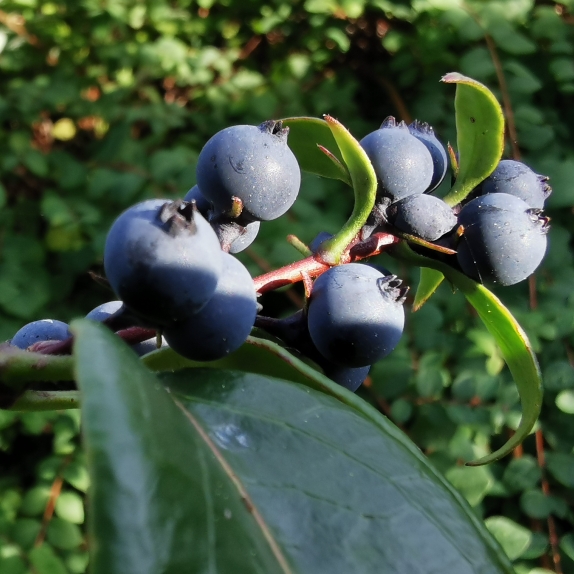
{"type": "Point", "coordinates": [103, 104]}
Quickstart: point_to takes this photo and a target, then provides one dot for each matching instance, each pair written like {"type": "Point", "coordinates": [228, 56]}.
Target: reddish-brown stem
{"type": "Point", "coordinates": [55, 491]}
{"type": "Point", "coordinates": [552, 533]}
{"type": "Point", "coordinates": [313, 267]}
{"type": "Point", "coordinates": [508, 111]}
{"type": "Point", "coordinates": [265, 266]}
{"type": "Point", "coordinates": [289, 274]}
{"type": "Point", "coordinates": [131, 336]}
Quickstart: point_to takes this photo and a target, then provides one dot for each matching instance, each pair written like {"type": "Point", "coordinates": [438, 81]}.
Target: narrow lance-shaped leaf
{"type": "Point", "coordinates": [365, 186]}
{"type": "Point", "coordinates": [480, 134]}
{"type": "Point", "coordinates": [309, 139]}
{"type": "Point", "coordinates": [510, 337]}
{"type": "Point", "coordinates": [428, 284]}
{"type": "Point", "coordinates": [228, 472]}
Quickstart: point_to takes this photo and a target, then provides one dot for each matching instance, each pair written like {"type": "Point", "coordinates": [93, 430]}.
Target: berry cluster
{"type": "Point", "coordinates": [171, 263]}
{"type": "Point", "coordinates": [498, 233]}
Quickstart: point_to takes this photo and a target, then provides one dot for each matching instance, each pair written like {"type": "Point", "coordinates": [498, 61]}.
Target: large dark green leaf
{"type": "Point", "coordinates": [257, 355]}
{"type": "Point", "coordinates": [223, 471]}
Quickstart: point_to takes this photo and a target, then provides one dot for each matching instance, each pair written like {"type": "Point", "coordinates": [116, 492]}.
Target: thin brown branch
{"type": "Point", "coordinates": [506, 102]}
{"type": "Point", "coordinates": [55, 491]}
{"type": "Point", "coordinates": [396, 98]}
{"type": "Point", "coordinates": [552, 533]}
{"type": "Point", "coordinates": [250, 47]}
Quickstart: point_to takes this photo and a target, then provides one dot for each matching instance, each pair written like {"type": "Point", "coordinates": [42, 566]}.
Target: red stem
{"type": "Point", "coordinates": [313, 267]}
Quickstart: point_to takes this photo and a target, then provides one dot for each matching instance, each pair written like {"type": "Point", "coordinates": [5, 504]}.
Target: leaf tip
{"type": "Point", "coordinates": [453, 77]}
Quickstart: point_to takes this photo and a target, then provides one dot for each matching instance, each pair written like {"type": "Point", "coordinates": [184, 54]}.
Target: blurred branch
{"type": "Point", "coordinates": [55, 491]}
{"type": "Point", "coordinates": [506, 102]}
{"type": "Point", "coordinates": [552, 534]}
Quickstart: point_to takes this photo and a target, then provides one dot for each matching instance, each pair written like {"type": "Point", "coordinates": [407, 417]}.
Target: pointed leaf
{"type": "Point", "coordinates": [308, 138]}
{"type": "Point", "coordinates": [160, 502]}
{"type": "Point", "coordinates": [428, 284]}
{"type": "Point", "coordinates": [480, 134]}
{"type": "Point", "coordinates": [364, 182]}
{"type": "Point", "coordinates": [510, 337]}
{"type": "Point", "coordinates": [232, 472]}
{"type": "Point", "coordinates": [255, 356]}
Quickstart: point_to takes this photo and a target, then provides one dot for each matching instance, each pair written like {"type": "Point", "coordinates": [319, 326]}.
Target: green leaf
{"type": "Point", "coordinates": [561, 466]}
{"type": "Point", "coordinates": [472, 482]}
{"type": "Point", "coordinates": [565, 402]}
{"type": "Point", "coordinates": [76, 474]}
{"type": "Point", "coordinates": [13, 565]}
{"type": "Point", "coordinates": [510, 337]}
{"type": "Point", "coordinates": [364, 182]}
{"type": "Point", "coordinates": [257, 355]}
{"type": "Point", "coordinates": [305, 137]}
{"type": "Point", "coordinates": [237, 472]}
{"type": "Point", "coordinates": [567, 545]}
{"type": "Point", "coordinates": [45, 561]}
{"type": "Point", "coordinates": [35, 500]}
{"type": "Point", "coordinates": [63, 535]}
{"type": "Point", "coordinates": [428, 284]}
{"type": "Point", "coordinates": [536, 504]}
{"type": "Point", "coordinates": [480, 134]}
{"type": "Point", "coordinates": [522, 473]}
{"type": "Point", "coordinates": [513, 538]}
{"type": "Point", "coordinates": [70, 507]}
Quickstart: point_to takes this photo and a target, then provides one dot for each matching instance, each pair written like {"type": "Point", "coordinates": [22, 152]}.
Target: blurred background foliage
{"type": "Point", "coordinates": [103, 104]}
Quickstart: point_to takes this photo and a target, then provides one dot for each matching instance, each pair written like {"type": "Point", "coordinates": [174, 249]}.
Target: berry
{"type": "Point", "coordinates": [233, 237]}
{"type": "Point", "coordinates": [516, 178]}
{"type": "Point", "coordinates": [425, 216]}
{"type": "Point", "coordinates": [202, 204]}
{"type": "Point", "coordinates": [253, 164]}
{"type": "Point", "coordinates": [320, 238]}
{"type": "Point", "coordinates": [347, 377]}
{"type": "Point", "coordinates": [403, 164]}
{"type": "Point", "coordinates": [504, 239]}
{"type": "Point", "coordinates": [104, 311]}
{"type": "Point", "coordinates": [246, 238]}
{"type": "Point", "coordinates": [355, 315]}
{"type": "Point", "coordinates": [294, 333]}
{"type": "Point", "coordinates": [148, 346]}
{"type": "Point", "coordinates": [424, 133]}
{"type": "Point", "coordinates": [43, 330]}
{"type": "Point", "coordinates": [163, 260]}
{"type": "Point", "coordinates": [224, 324]}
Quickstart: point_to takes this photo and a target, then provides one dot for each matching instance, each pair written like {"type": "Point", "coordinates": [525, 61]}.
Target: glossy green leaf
{"type": "Point", "coordinates": [428, 284]}
{"type": "Point", "coordinates": [257, 355]}
{"type": "Point", "coordinates": [510, 337]}
{"type": "Point", "coordinates": [480, 134]}
{"type": "Point", "coordinates": [306, 138]}
{"type": "Point", "coordinates": [225, 471]}
{"type": "Point", "coordinates": [364, 182]}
